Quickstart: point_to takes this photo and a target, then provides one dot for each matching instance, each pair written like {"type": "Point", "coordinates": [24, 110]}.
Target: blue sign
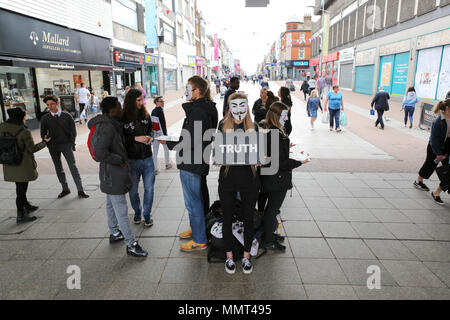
{"type": "Point", "coordinates": [301, 63]}
{"type": "Point", "coordinates": [150, 24]}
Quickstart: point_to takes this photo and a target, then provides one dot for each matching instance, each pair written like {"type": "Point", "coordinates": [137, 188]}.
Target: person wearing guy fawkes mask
{"type": "Point", "coordinates": [277, 185]}
{"type": "Point", "coordinates": [233, 179]}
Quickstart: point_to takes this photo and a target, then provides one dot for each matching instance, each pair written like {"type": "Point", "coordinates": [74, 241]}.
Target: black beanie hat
{"type": "Point", "coordinates": [16, 114]}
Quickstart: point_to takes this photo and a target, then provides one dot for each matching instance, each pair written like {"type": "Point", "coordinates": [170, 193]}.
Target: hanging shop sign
{"type": "Point", "coordinates": [120, 56]}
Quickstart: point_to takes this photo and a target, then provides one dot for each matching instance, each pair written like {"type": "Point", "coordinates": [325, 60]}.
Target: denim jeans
{"type": "Point", "coordinates": [146, 169]}
{"type": "Point", "coordinates": [335, 115]}
{"type": "Point", "coordinates": [193, 200]}
{"type": "Point", "coordinates": [409, 113]}
{"type": "Point", "coordinates": [117, 212]}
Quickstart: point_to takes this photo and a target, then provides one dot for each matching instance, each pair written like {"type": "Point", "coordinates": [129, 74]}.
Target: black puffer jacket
{"type": "Point", "coordinates": [204, 112]}
{"type": "Point", "coordinates": [141, 127]}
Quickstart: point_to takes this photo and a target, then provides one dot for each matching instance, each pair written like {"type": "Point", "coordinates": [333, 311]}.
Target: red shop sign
{"type": "Point", "coordinates": [331, 57]}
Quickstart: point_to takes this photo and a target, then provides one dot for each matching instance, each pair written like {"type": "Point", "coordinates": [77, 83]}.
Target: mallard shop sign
{"type": "Point", "coordinates": [26, 37]}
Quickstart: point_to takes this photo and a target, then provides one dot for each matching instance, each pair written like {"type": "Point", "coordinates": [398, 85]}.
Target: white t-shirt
{"type": "Point", "coordinates": [82, 94]}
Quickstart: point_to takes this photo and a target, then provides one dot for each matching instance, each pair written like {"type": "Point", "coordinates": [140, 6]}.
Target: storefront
{"type": "Point", "coordinates": [170, 72]}
{"type": "Point", "coordinates": [127, 69]}
{"type": "Point", "coordinates": [330, 66]}
{"type": "Point", "coordinates": [201, 66]}
{"type": "Point", "coordinates": [364, 71]}
{"type": "Point", "coordinates": [40, 59]}
{"type": "Point", "coordinates": [346, 59]}
{"type": "Point", "coordinates": [151, 75]}
{"type": "Point", "coordinates": [296, 69]}
{"type": "Point", "coordinates": [315, 65]}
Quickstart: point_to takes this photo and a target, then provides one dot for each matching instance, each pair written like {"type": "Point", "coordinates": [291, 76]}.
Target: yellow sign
{"type": "Point", "coordinates": [386, 72]}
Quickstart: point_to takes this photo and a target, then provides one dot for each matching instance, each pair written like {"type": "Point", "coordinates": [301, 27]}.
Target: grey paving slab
{"type": "Point", "coordinates": [72, 230]}
{"type": "Point", "coordinates": [375, 203]}
{"type": "Point", "coordinates": [162, 229]}
{"type": "Point", "coordinates": [438, 293]}
{"type": "Point", "coordinates": [54, 272]}
{"type": "Point", "coordinates": [350, 249]}
{"type": "Point", "coordinates": [392, 293]}
{"type": "Point", "coordinates": [337, 192]}
{"type": "Point", "coordinates": [318, 202]}
{"type": "Point", "coordinates": [402, 184]}
{"type": "Point", "coordinates": [436, 231]}
{"type": "Point", "coordinates": [310, 248]}
{"type": "Point", "coordinates": [441, 270]}
{"type": "Point", "coordinates": [429, 250]}
{"type": "Point", "coordinates": [407, 231]}
{"type": "Point", "coordinates": [131, 289]}
{"type": "Point", "coordinates": [412, 274]}
{"type": "Point", "coordinates": [358, 215]}
{"type": "Point", "coordinates": [347, 203]}
{"type": "Point", "coordinates": [390, 193]}
{"type": "Point", "coordinates": [363, 193]}
{"type": "Point", "coordinates": [108, 270]}
{"type": "Point", "coordinates": [157, 247]}
{"type": "Point", "coordinates": [171, 202]}
{"type": "Point", "coordinates": [353, 183]}
{"type": "Point", "coordinates": [312, 192]}
{"type": "Point", "coordinates": [9, 226]}
{"type": "Point", "coordinates": [372, 230]}
{"type": "Point", "coordinates": [38, 250]}
{"type": "Point", "coordinates": [33, 291]}
{"type": "Point", "coordinates": [423, 216]}
{"type": "Point", "coordinates": [183, 291]}
{"type": "Point", "coordinates": [375, 184]}
{"type": "Point", "coordinates": [357, 272]}
{"type": "Point", "coordinates": [326, 214]}
{"type": "Point", "coordinates": [390, 250]}
{"type": "Point", "coordinates": [105, 250]}
{"type": "Point", "coordinates": [301, 229]}
{"type": "Point", "coordinates": [293, 202]}
{"type": "Point", "coordinates": [94, 291]}
{"type": "Point", "coordinates": [168, 214]}
{"type": "Point", "coordinates": [305, 183]}
{"type": "Point", "coordinates": [320, 271]}
{"type": "Point", "coordinates": [300, 214]}
{"type": "Point", "coordinates": [76, 249]}
{"type": "Point", "coordinates": [390, 215]}
{"type": "Point", "coordinates": [75, 203]}
{"type": "Point", "coordinates": [404, 204]}
{"type": "Point", "coordinates": [66, 216]}
{"type": "Point", "coordinates": [337, 229]}
{"type": "Point", "coordinates": [14, 273]}
{"type": "Point", "coordinates": [330, 292]}
{"type": "Point", "coordinates": [8, 249]}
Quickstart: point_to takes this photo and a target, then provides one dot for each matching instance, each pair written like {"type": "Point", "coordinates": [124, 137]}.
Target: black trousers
{"type": "Point", "coordinates": [274, 203]}
{"type": "Point", "coordinates": [228, 202]}
{"type": "Point", "coordinates": [21, 192]}
{"type": "Point", "coordinates": [380, 118]}
{"type": "Point", "coordinates": [430, 166]}
{"type": "Point", "coordinates": [205, 194]}
{"type": "Point", "coordinates": [262, 201]}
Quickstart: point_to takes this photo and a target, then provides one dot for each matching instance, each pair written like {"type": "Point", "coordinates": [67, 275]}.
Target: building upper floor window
{"type": "Point", "coordinates": [302, 36]}
{"type": "Point", "coordinates": [301, 54]}
{"type": "Point", "coordinates": [125, 13]}
{"type": "Point", "coordinates": [168, 4]}
{"type": "Point", "coordinates": [169, 34]}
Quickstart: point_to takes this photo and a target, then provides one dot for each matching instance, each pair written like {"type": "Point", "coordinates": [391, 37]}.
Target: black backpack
{"type": "Point", "coordinates": [10, 154]}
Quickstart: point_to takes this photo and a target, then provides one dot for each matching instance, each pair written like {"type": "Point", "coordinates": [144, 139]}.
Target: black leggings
{"type": "Point", "coordinates": [274, 203]}
{"type": "Point", "coordinates": [21, 192]}
{"type": "Point", "coordinates": [228, 203]}
{"type": "Point", "coordinates": [205, 194]}
{"type": "Point", "coordinates": [430, 166]}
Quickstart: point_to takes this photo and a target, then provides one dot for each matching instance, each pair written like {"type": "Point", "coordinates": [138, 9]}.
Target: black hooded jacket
{"type": "Point", "coordinates": [204, 112]}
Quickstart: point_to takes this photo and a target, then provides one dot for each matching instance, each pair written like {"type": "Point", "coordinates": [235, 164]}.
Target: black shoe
{"type": "Point", "coordinates": [82, 195]}
{"type": "Point", "coordinates": [276, 246]}
{"type": "Point", "coordinates": [63, 193]}
{"type": "Point", "coordinates": [136, 251]}
{"type": "Point", "coordinates": [437, 199]}
{"type": "Point", "coordinates": [148, 222]}
{"type": "Point", "coordinates": [30, 208]}
{"type": "Point", "coordinates": [278, 238]}
{"type": "Point", "coordinates": [247, 266]}
{"type": "Point", "coordinates": [421, 186]}
{"type": "Point", "coordinates": [23, 217]}
{"type": "Point", "coordinates": [117, 238]}
{"type": "Point", "coordinates": [230, 266]}
{"type": "Point", "coordinates": [137, 220]}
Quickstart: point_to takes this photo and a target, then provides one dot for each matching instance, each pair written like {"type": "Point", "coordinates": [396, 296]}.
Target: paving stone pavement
{"type": "Point", "coordinates": [337, 225]}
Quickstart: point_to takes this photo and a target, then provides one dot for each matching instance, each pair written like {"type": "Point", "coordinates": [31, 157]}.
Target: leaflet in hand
{"type": "Point", "coordinates": [299, 155]}
{"type": "Point", "coordinates": [168, 138]}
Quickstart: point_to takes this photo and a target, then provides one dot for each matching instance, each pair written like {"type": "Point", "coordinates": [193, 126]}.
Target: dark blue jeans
{"type": "Point", "coordinates": [335, 115]}
{"type": "Point", "coordinates": [193, 201]}
{"type": "Point", "coordinates": [146, 169]}
{"type": "Point", "coordinates": [409, 113]}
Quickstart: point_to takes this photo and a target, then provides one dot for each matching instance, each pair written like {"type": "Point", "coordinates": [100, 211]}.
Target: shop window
{"type": "Point", "coordinates": [18, 89]}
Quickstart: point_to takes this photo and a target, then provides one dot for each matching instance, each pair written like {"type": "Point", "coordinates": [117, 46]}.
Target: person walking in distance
{"type": "Point", "coordinates": [438, 148]}
{"type": "Point", "coordinates": [335, 102]}
{"type": "Point", "coordinates": [259, 108]}
{"type": "Point", "coordinates": [328, 82]}
{"type": "Point", "coordinates": [201, 112]}
{"type": "Point", "coordinates": [277, 185]}
{"type": "Point", "coordinates": [305, 88]}
{"type": "Point", "coordinates": [138, 131]}
{"type": "Point", "coordinates": [234, 87]}
{"type": "Point", "coordinates": [217, 82]}
{"type": "Point", "coordinates": [408, 105]}
{"type": "Point", "coordinates": [60, 126]}
{"type": "Point", "coordinates": [243, 179]}
{"type": "Point", "coordinates": [312, 85]}
{"type": "Point", "coordinates": [285, 96]}
{"type": "Point", "coordinates": [115, 180]}
{"type": "Point", "coordinates": [381, 105]}
{"type": "Point", "coordinates": [312, 106]}
{"type": "Point", "coordinates": [159, 129]}
{"type": "Point", "coordinates": [321, 84]}
{"type": "Point", "coordinates": [82, 96]}
{"type": "Point", "coordinates": [25, 171]}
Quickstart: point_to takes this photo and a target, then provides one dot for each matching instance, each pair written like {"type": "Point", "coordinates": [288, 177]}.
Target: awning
{"type": "Point", "coordinates": [59, 65]}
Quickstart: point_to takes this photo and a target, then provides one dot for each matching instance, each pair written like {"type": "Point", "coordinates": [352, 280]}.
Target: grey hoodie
{"type": "Point", "coordinates": [410, 100]}
{"type": "Point", "coordinates": [109, 145]}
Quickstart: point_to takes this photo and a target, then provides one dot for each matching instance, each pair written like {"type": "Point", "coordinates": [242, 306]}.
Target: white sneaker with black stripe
{"type": "Point", "coordinates": [230, 266]}
{"type": "Point", "coordinates": [247, 266]}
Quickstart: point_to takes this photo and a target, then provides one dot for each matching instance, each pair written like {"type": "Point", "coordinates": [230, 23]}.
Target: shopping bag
{"type": "Point", "coordinates": [326, 117]}
{"type": "Point", "coordinates": [83, 115]}
{"type": "Point", "coordinates": [343, 120]}
{"type": "Point", "coordinates": [372, 112]}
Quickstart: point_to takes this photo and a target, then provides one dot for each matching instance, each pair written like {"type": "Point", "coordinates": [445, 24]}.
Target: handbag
{"type": "Point", "coordinates": [372, 112]}
{"type": "Point", "coordinates": [443, 172]}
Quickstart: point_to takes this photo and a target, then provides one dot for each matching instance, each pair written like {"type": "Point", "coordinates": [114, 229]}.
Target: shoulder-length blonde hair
{"type": "Point", "coordinates": [228, 124]}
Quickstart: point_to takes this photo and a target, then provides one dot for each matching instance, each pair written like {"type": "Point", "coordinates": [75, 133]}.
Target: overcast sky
{"type": "Point", "coordinates": [251, 31]}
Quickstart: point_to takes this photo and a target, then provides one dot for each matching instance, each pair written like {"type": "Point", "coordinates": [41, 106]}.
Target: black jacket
{"type": "Point", "coordinates": [204, 112]}
{"type": "Point", "coordinates": [438, 136]}
{"type": "Point", "coordinates": [305, 87]}
{"type": "Point", "coordinates": [140, 127]}
{"type": "Point", "coordinates": [282, 180]}
{"type": "Point", "coordinates": [259, 111]}
{"type": "Point", "coordinates": [62, 130]}
{"type": "Point", "coordinates": [288, 124]}
{"type": "Point", "coordinates": [159, 113]}
{"type": "Point", "coordinates": [381, 101]}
